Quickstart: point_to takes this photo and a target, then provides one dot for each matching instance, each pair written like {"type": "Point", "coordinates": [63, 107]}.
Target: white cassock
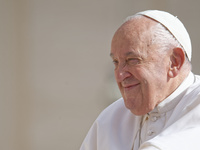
{"type": "Point", "coordinates": [173, 125]}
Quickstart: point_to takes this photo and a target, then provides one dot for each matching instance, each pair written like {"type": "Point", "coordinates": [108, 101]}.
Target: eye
{"type": "Point", "coordinates": [115, 62]}
{"type": "Point", "coordinates": [133, 61]}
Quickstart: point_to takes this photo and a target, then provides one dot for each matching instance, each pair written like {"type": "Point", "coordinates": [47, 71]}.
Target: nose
{"type": "Point", "coordinates": [121, 74]}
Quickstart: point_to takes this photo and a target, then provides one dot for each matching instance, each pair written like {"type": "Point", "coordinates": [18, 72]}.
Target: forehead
{"type": "Point", "coordinates": [133, 37]}
{"type": "Point", "coordinates": [126, 54]}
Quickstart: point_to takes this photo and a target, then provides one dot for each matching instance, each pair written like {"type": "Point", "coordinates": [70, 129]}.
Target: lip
{"type": "Point", "coordinates": [128, 87]}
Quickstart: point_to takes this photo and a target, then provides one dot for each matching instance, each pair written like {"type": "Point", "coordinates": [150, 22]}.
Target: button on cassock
{"type": "Point", "coordinates": [154, 118]}
{"type": "Point", "coordinates": [150, 133]}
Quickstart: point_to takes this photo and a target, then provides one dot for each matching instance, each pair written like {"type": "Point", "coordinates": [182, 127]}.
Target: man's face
{"type": "Point", "coordinates": [140, 71]}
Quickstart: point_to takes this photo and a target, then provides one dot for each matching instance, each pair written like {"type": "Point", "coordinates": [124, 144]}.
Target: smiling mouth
{"type": "Point", "coordinates": [131, 86]}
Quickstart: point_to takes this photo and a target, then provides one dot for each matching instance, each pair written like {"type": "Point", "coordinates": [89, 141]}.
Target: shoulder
{"type": "Point", "coordinates": [193, 92]}
{"type": "Point", "coordinates": [115, 110]}
{"type": "Point", "coordinates": [190, 100]}
{"type": "Point", "coordinates": [116, 117]}
{"type": "Point", "coordinates": [113, 128]}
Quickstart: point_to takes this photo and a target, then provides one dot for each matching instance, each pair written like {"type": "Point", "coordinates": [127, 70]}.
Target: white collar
{"type": "Point", "coordinates": [172, 100]}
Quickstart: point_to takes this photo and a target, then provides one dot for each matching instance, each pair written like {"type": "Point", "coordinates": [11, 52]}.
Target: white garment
{"type": "Point", "coordinates": [173, 125]}
{"type": "Point", "coordinates": [154, 121]}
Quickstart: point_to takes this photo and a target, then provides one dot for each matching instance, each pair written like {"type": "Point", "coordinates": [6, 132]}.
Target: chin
{"type": "Point", "coordinates": [139, 111]}
{"type": "Point", "coordinates": [134, 110]}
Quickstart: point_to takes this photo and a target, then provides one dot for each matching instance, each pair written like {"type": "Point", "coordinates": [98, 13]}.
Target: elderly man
{"type": "Point", "coordinates": [160, 108]}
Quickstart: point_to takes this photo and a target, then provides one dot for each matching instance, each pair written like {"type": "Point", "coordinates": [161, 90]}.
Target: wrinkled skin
{"type": "Point", "coordinates": [141, 72]}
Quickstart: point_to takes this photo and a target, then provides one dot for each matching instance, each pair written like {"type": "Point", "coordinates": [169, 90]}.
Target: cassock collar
{"type": "Point", "coordinates": [172, 100]}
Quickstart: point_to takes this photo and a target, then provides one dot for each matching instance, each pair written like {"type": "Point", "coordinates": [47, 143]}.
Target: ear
{"type": "Point", "coordinates": [177, 59]}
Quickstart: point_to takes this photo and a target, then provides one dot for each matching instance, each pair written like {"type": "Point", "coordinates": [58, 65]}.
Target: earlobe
{"type": "Point", "coordinates": [173, 72]}
{"type": "Point", "coordinates": [170, 74]}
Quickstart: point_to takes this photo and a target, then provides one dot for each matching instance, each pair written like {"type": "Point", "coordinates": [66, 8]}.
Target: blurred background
{"type": "Point", "coordinates": [56, 75]}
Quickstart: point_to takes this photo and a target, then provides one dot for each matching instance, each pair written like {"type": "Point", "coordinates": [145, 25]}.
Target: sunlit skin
{"type": "Point", "coordinates": [143, 75]}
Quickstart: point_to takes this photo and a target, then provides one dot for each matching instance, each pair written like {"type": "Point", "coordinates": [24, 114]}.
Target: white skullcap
{"type": "Point", "coordinates": [174, 25]}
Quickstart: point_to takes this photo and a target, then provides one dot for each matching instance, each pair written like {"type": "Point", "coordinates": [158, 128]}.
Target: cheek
{"type": "Point", "coordinates": [140, 73]}
{"type": "Point", "coordinates": [152, 73]}
{"type": "Point", "coordinates": [150, 82]}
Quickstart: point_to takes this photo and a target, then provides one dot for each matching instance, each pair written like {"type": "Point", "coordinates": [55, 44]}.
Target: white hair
{"type": "Point", "coordinates": [160, 35]}
{"type": "Point", "coordinates": [163, 37]}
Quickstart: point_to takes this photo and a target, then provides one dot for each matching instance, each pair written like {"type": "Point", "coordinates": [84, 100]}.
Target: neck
{"type": "Point", "coordinates": [175, 82]}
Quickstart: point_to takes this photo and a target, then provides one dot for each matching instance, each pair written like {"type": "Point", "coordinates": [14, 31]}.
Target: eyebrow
{"type": "Point", "coordinates": [127, 54]}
